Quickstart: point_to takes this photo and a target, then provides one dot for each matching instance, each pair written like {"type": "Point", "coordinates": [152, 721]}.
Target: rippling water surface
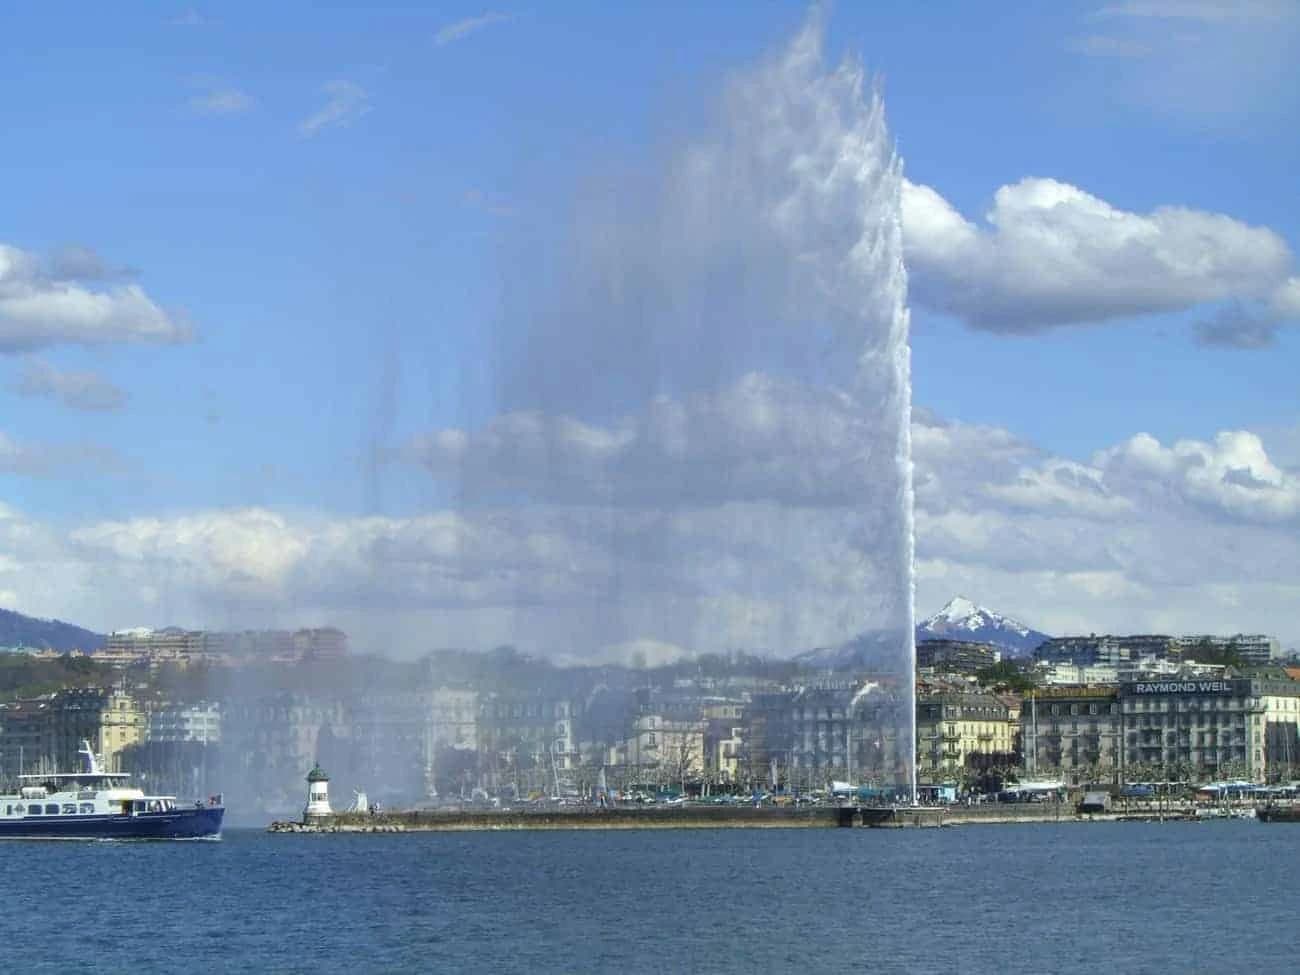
{"type": "Point", "coordinates": [1037, 898]}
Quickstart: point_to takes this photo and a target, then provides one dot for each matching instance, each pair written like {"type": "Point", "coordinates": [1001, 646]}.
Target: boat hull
{"type": "Point", "coordinates": [176, 824]}
{"type": "Point", "coordinates": [1278, 814]}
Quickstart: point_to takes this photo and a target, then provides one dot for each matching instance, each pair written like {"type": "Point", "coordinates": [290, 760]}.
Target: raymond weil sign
{"type": "Point", "coordinates": [1184, 687]}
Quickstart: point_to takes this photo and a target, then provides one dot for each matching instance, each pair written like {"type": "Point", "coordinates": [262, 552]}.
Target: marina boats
{"type": "Point", "coordinates": [95, 804]}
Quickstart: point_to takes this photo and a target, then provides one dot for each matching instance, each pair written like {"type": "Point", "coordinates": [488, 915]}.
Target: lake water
{"type": "Point", "coordinates": [1204, 897]}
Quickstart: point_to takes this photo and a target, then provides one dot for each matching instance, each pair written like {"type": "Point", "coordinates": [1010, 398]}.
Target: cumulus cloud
{"type": "Point", "coordinates": [758, 439]}
{"type": "Point", "coordinates": [75, 262]}
{"type": "Point", "coordinates": [1231, 475]}
{"type": "Point", "coordinates": [64, 301]}
{"type": "Point", "coordinates": [75, 390]}
{"type": "Point", "coordinates": [1193, 536]}
{"type": "Point", "coordinates": [1062, 485]}
{"type": "Point", "coordinates": [1050, 254]}
{"type": "Point", "coordinates": [1285, 301]}
{"type": "Point", "coordinates": [346, 102]}
{"type": "Point", "coordinates": [460, 29]}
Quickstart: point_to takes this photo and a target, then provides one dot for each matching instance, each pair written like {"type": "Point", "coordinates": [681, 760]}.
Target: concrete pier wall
{"type": "Point", "coordinates": [711, 817]}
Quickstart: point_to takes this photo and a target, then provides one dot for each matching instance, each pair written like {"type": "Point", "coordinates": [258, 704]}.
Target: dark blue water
{"type": "Point", "coordinates": [1216, 897]}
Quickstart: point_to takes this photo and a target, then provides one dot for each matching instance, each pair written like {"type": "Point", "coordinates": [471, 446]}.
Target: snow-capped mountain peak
{"type": "Point", "coordinates": [959, 608]}
{"type": "Point", "coordinates": [963, 619]}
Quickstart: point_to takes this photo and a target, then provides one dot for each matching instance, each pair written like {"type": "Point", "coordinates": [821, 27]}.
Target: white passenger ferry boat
{"type": "Point", "coordinates": [95, 804]}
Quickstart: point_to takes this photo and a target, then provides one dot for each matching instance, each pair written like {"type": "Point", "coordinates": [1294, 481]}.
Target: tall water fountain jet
{"type": "Point", "coordinates": [702, 439]}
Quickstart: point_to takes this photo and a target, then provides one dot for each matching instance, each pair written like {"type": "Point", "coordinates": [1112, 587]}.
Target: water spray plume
{"type": "Point", "coordinates": [714, 393]}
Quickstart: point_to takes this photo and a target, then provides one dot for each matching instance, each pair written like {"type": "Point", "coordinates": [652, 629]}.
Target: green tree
{"type": "Point", "coordinates": [1005, 675]}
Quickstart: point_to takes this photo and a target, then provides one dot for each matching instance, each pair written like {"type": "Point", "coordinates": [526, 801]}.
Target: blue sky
{"type": "Point", "coordinates": [338, 209]}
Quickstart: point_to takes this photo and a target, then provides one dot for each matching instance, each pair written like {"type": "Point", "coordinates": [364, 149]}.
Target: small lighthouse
{"type": "Point", "coordinates": [318, 795]}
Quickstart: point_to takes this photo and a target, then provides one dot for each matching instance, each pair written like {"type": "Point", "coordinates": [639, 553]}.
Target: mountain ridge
{"type": "Point", "coordinates": [964, 619]}
{"type": "Point", "coordinates": [17, 630]}
{"type": "Point", "coordinates": [960, 619]}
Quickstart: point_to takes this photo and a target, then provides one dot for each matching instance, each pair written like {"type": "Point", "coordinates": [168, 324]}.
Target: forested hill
{"type": "Point", "coordinates": [26, 631]}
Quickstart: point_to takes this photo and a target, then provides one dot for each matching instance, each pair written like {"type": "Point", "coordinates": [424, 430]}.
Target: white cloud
{"type": "Point", "coordinates": [221, 101]}
{"type": "Point", "coordinates": [1050, 254]}
{"type": "Point", "coordinates": [1197, 536]}
{"type": "Point", "coordinates": [758, 439]}
{"type": "Point", "coordinates": [242, 553]}
{"type": "Point", "coordinates": [45, 305]}
{"type": "Point", "coordinates": [346, 102]}
{"type": "Point", "coordinates": [1061, 485]}
{"type": "Point", "coordinates": [75, 390]}
{"type": "Point", "coordinates": [461, 29]}
{"type": "Point", "coordinates": [1232, 475]}
{"type": "Point", "coordinates": [1283, 444]}
{"type": "Point", "coordinates": [1285, 301]}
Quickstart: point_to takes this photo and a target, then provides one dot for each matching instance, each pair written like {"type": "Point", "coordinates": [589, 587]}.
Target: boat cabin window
{"type": "Point", "coordinates": [87, 807]}
{"type": "Point", "coordinates": [69, 809]}
{"type": "Point", "coordinates": [34, 809]}
{"type": "Point", "coordinates": [51, 809]}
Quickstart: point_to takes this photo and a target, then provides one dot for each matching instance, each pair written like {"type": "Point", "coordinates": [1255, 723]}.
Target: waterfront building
{"type": "Point", "coordinates": [1072, 733]}
{"type": "Point", "coordinates": [956, 732]}
{"type": "Point", "coordinates": [1134, 653]}
{"type": "Point", "coordinates": [956, 656]}
{"type": "Point", "coordinates": [1071, 674]}
{"type": "Point", "coordinates": [109, 718]}
{"type": "Point", "coordinates": [1107, 649]}
{"type": "Point", "coordinates": [199, 723]}
{"type": "Point", "coordinates": [722, 709]}
{"type": "Point", "coordinates": [24, 732]}
{"type": "Point", "coordinates": [526, 740]}
{"type": "Point", "coordinates": [844, 729]}
{"type": "Point", "coordinates": [724, 745]}
{"type": "Point", "coordinates": [388, 741]}
{"type": "Point", "coordinates": [1253, 649]}
{"type": "Point", "coordinates": [45, 734]}
{"type": "Point", "coordinates": [1240, 727]}
{"type": "Point", "coordinates": [450, 729]}
{"type": "Point", "coordinates": [767, 736]}
{"type": "Point", "coordinates": [320, 643]}
{"type": "Point", "coordinates": [183, 647]}
{"type": "Point", "coordinates": [143, 645]}
{"type": "Point", "coordinates": [452, 718]}
{"type": "Point", "coordinates": [180, 753]}
{"type": "Point", "coordinates": [663, 750]}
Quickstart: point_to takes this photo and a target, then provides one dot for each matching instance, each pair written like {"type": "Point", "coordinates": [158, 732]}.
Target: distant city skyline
{"type": "Point", "coordinates": [260, 270]}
